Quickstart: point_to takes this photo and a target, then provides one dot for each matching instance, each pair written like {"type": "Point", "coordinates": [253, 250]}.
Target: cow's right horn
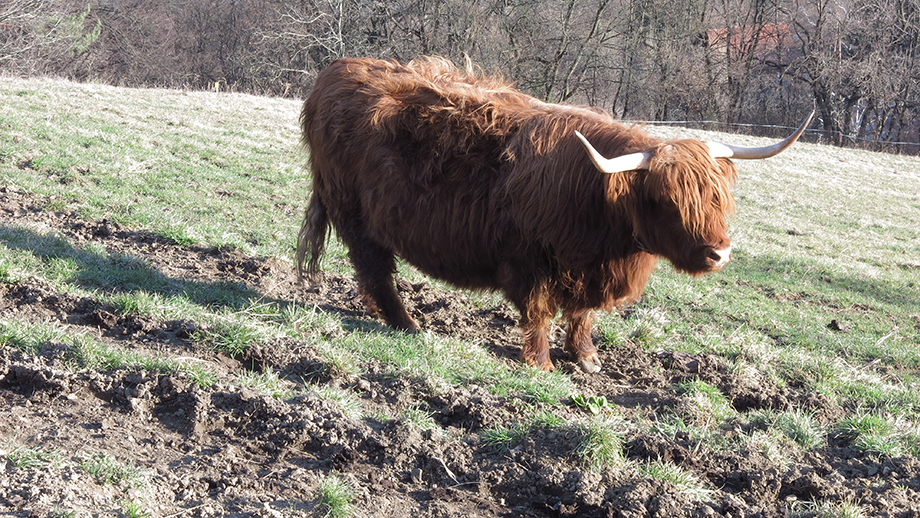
{"type": "Point", "coordinates": [719, 150]}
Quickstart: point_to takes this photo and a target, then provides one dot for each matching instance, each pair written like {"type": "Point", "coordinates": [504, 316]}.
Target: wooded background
{"type": "Point", "coordinates": [743, 63]}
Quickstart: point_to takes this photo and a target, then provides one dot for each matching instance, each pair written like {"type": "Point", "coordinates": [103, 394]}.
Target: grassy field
{"type": "Point", "coordinates": [221, 170]}
{"type": "Point", "coordinates": [823, 293]}
{"type": "Point", "coordinates": [822, 235]}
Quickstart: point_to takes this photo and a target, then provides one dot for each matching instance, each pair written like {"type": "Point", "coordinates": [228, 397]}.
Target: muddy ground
{"type": "Point", "coordinates": [227, 451]}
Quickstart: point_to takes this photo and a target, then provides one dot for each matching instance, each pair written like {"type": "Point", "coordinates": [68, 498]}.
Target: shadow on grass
{"type": "Point", "coordinates": [91, 266]}
{"type": "Point", "coordinates": [812, 280]}
{"type": "Point", "coordinates": [119, 272]}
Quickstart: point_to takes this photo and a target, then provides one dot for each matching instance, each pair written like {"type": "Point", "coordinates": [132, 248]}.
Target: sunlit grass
{"type": "Point", "coordinates": [134, 509]}
{"type": "Point", "coordinates": [347, 402]}
{"type": "Point", "coordinates": [455, 362]}
{"type": "Point", "coordinates": [798, 425]}
{"type": "Point", "coordinates": [500, 437]}
{"type": "Point", "coordinates": [25, 457]}
{"type": "Point", "coordinates": [880, 435]}
{"type": "Point", "coordinates": [419, 417]}
{"type": "Point", "coordinates": [774, 444]}
{"type": "Point", "coordinates": [706, 404]}
{"type": "Point", "coordinates": [127, 159]}
{"type": "Point", "coordinates": [827, 509]}
{"type": "Point", "coordinates": [82, 351]}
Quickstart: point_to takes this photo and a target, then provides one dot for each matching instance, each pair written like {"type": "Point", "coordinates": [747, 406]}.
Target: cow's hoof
{"type": "Point", "coordinates": [590, 365]}
{"type": "Point", "coordinates": [546, 366]}
{"type": "Point", "coordinates": [406, 324]}
{"type": "Point", "coordinates": [411, 328]}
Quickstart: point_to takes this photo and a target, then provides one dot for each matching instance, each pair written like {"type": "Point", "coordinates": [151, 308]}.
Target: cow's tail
{"type": "Point", "coordinates": [312, 238]}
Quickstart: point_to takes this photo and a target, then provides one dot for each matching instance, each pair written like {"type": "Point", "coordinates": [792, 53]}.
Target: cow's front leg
{"type": "Point", "coordinates": [578, 341]}
{"type": "Point", "coordinates": [536, 345]}
{"type": "Point", "coordinates": [530, 293]}
{"type": "Point", "coordinates": [537, 311]}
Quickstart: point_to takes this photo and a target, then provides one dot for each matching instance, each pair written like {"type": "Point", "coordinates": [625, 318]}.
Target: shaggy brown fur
{"type": "Point", "coordinates": [478, 184]}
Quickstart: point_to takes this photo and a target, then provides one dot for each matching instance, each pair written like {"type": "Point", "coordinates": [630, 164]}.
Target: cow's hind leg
{"type": "Point", "coordinates": [578, 341]}
{"type": "Point", "coordinates": [374, 269]}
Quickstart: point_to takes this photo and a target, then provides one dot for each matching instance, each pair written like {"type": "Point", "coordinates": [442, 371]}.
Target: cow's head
{"type": "Point", "coordinates": [683, 197]}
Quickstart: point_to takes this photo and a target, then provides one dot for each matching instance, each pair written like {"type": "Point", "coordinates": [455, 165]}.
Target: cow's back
{"type": "Point", "coordinates": [413, 154]}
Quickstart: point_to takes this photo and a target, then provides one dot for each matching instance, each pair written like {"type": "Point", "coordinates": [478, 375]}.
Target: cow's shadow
{"type": "Point", "coordinates": [96, 269]}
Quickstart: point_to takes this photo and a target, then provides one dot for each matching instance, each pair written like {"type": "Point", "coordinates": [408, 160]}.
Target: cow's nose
{"type": "Point", "coordinates": [720, 256]}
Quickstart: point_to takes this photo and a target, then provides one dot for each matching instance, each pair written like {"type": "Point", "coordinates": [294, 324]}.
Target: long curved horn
{"type": "Point", "coordinates": [630, 162]}
{"type": "Point", "coordinates": [719, 150]}
{"type": "Point", "coordinates": [640, 161]}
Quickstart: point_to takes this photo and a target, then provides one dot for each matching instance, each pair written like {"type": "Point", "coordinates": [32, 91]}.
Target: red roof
{"type": "Point", "coordinates": [743, 40]}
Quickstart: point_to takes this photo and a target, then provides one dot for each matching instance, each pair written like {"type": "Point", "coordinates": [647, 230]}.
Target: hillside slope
{"type": "Point", "coordinates": [159, 357]}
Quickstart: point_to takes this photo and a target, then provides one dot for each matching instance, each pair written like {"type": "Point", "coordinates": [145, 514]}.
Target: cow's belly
{"type": "Point", "coordinates": [452, 240]}
{"type": "Point", "coordinates": [456, 259]}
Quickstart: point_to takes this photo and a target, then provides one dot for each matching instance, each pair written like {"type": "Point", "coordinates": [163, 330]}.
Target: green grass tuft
{"type": "Point", "coordinates": [706, 405]}
{"type": "Point", "coordinates": [601, 445]}
{"type": "Point", "coordinates": [798, 425]}
{"type": "Point", "coordinates": [455, 362]}
{"type": "Point", "coordinates": [684, 481]}
{"type": "Point", "coordinates": [134, 509]}
{"type": "Point", "coordinates": [109, 470]}
{"type": "Point", "coordinates": [24, 457]}
{"type": "Point", "coordinates": [827, 509]}
{"type": "Point", "coordinates": [336, 497]}
{"type": "Point", "coordinates": [880, 435]}
{"type": "Point", "coordinates": [346, 400]}
{"type": "Point", "coordinates": [266, 383]}
{"type": "Point", "coordinates": [419, 417]}
{"type": "Point", "coordinates": [499, 438]}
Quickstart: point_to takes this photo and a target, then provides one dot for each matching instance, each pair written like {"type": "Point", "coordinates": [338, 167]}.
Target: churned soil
{"type": "Point", "coordinates": [225, 450]}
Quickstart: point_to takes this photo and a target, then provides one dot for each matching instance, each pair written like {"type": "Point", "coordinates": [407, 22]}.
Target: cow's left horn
{"type": "Point", "coordinates": [719, 150]}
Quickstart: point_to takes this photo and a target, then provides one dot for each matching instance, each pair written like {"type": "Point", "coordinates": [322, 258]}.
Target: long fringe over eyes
{"type": "Point", "coordinates": [700, 187]}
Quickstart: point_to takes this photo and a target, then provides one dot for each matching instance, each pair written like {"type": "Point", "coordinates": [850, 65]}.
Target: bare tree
{"type": "Point", "coordinates": [558, 49]}
{"type": "Point", "coordinates": [664, 67]}
{"type": "Point", "coordinates": [749, 32]}
{"type": "Point", "coordinates": [16, 36]}
{"type": "Point", "coordinates": [860, 61]}
{"type": "Point", "coordinates": [890, 36]}
{"type": "Point", "coordinates": [829, 64]}
{"type": "Point", "coordinates": [302, 37]}
{"type": "Point", "coordinates": [759, 61]}
{"type": "Point", "coordinates": [34, 33]}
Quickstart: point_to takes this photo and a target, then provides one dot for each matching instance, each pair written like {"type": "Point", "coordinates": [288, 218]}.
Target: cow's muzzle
{"type": "Point", "coordinates": [719, 257]}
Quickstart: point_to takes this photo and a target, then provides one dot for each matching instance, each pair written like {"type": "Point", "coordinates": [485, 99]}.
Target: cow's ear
{"type": "Point", "coordinates": [620, 164]}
